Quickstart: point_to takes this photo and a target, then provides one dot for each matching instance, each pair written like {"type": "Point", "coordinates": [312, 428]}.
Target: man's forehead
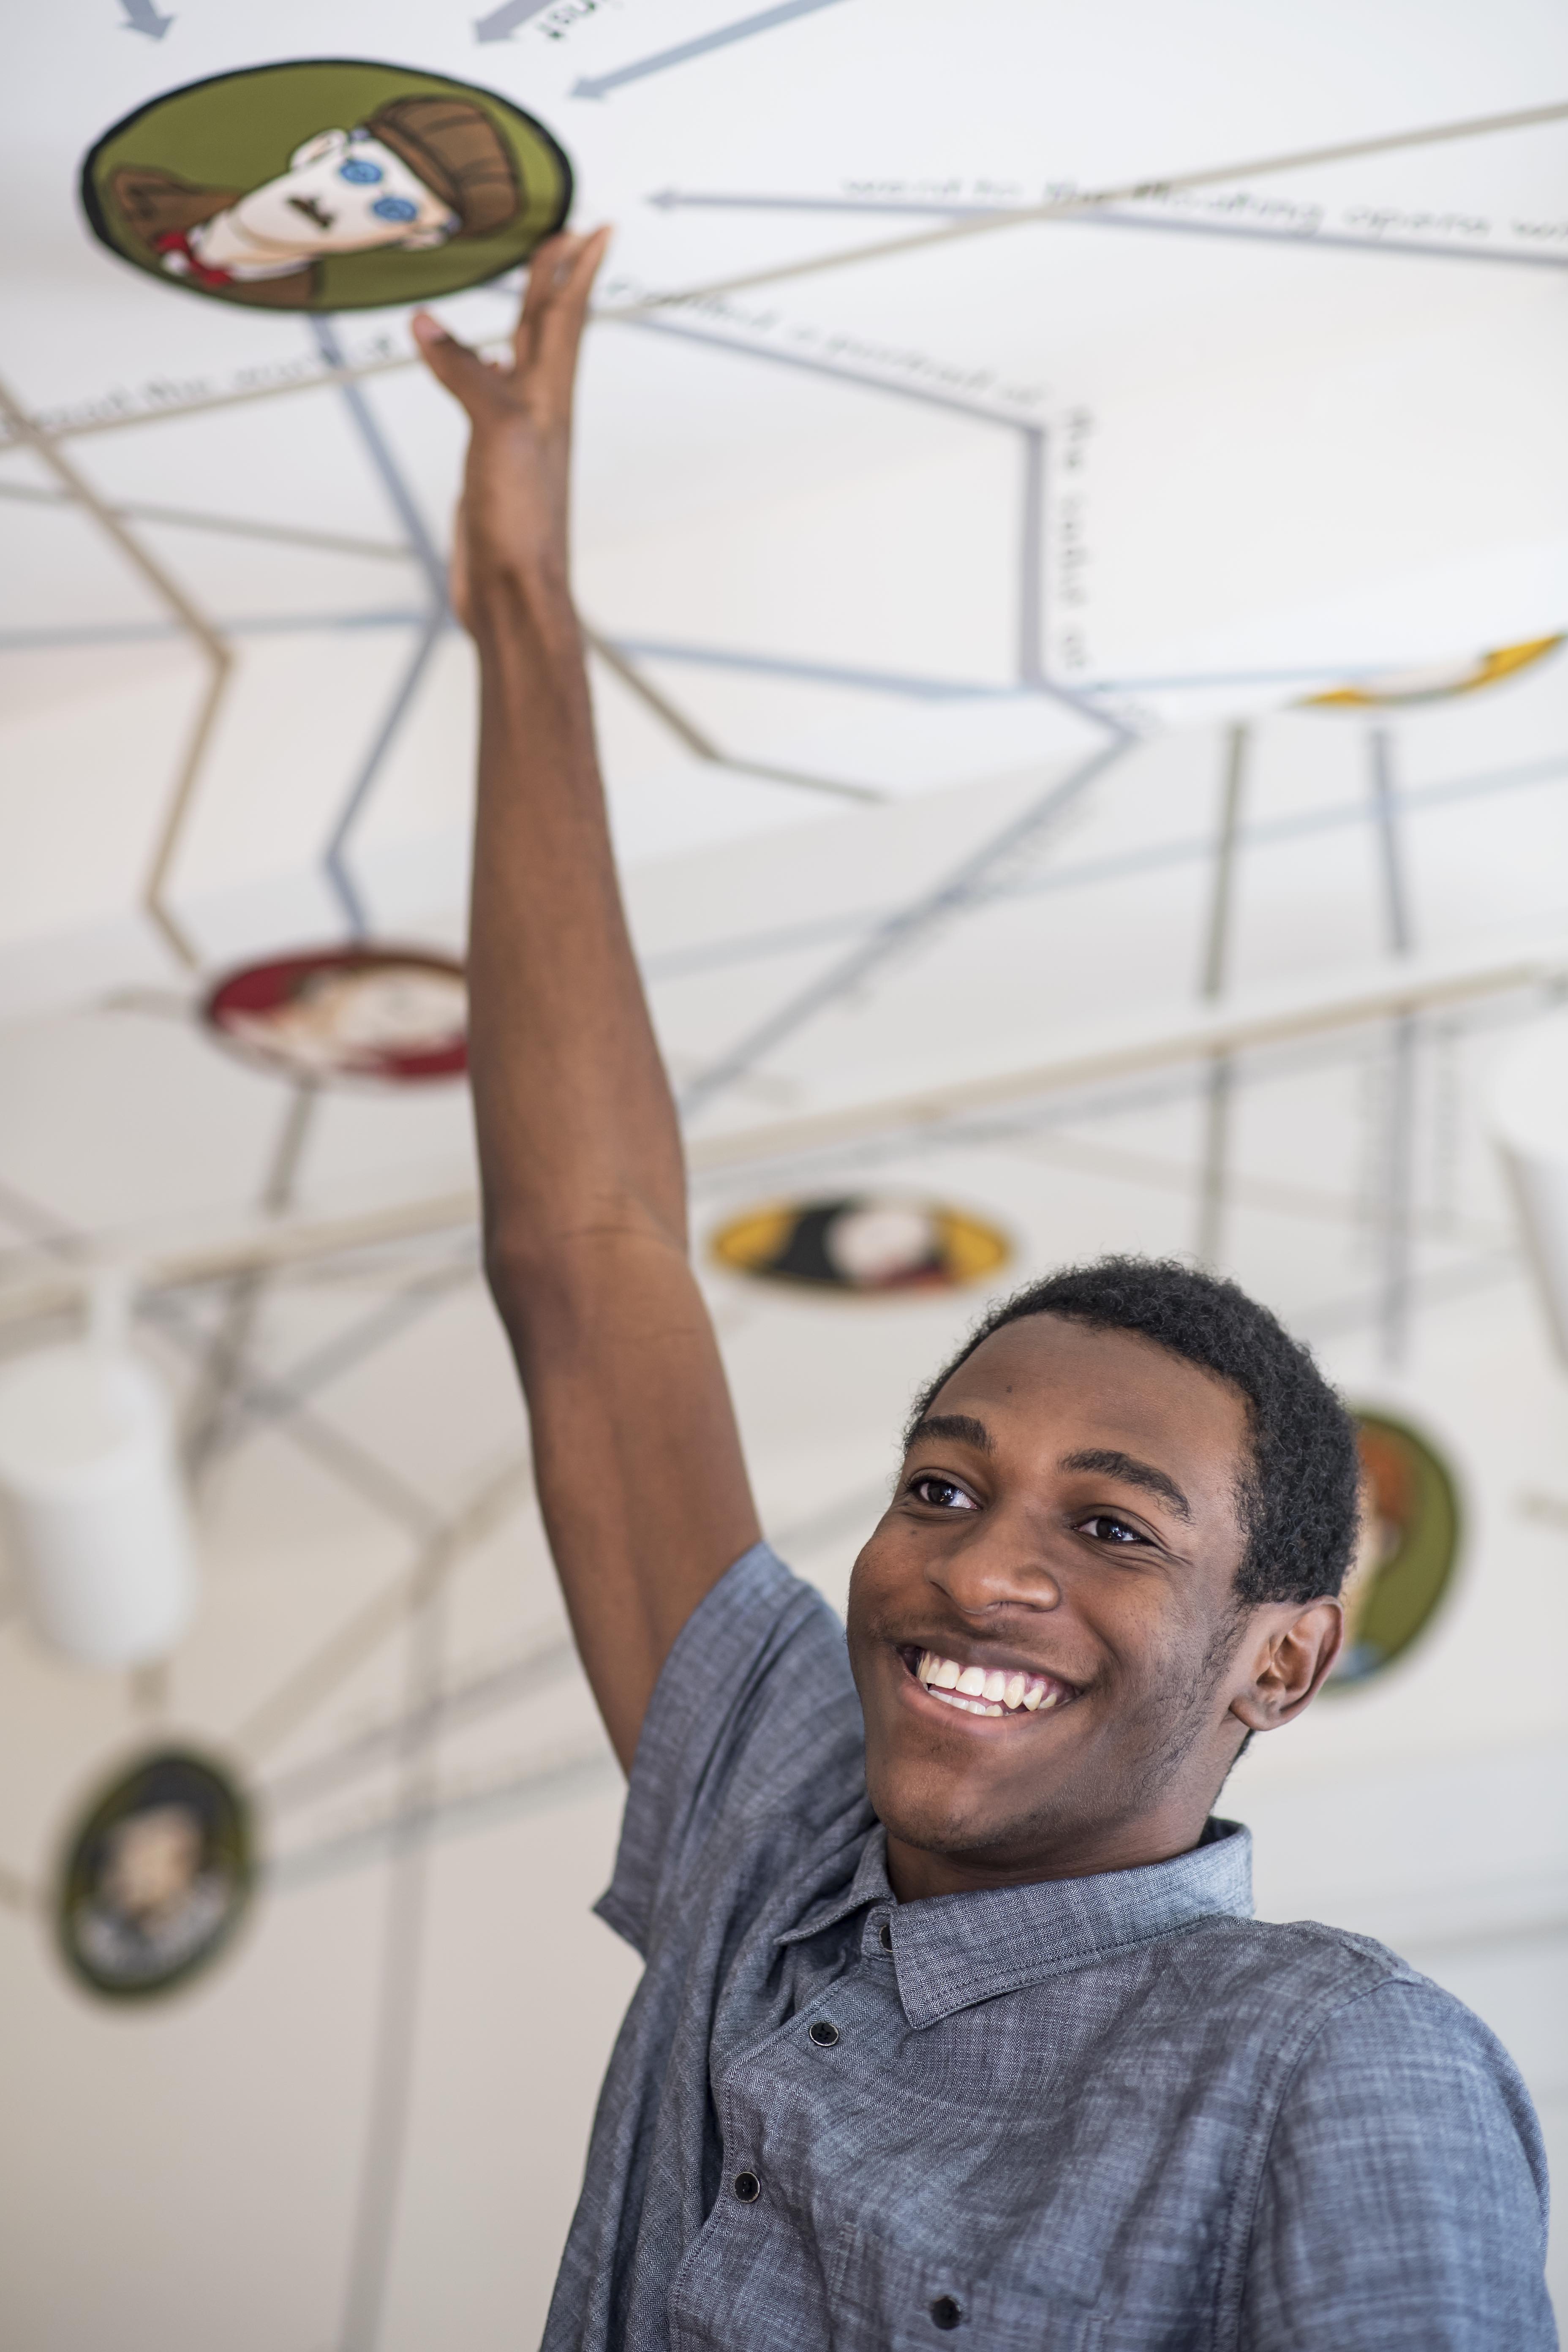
{"type": "Point", "coordinates": [1053, 1373]}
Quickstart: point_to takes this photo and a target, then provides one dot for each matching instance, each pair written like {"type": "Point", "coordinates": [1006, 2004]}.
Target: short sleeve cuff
{"type": "Point", "coordinates": [720, 1659]}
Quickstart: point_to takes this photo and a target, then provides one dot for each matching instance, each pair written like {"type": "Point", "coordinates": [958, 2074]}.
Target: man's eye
{"type": "Point", "coordinates": [941, 1494]}
{"type": "Point", "coordinates": [1105, 1529]}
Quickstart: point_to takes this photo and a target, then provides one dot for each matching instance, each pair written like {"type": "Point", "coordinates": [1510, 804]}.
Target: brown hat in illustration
{"type": "Point", "coordinates": [454, 147]}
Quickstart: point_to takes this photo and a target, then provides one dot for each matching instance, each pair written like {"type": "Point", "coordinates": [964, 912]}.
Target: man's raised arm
{"type": "Point", "coordinates": [636, 1454]}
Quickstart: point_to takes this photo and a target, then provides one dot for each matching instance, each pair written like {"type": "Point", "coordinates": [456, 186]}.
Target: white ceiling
{"type": "Point", "coordinates": [939, 527]}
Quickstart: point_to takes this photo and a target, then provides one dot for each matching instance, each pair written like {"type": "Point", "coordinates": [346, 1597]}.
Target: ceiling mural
{"type": "Point", "coordinates": [1071, 541]}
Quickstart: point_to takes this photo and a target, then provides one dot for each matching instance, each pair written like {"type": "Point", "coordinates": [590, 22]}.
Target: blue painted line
{"type": "Point", "coordinates": [969, 409]}
{"type": "Point", "coordinates": [599, 84]}
{"type": "Point", "coordinates": [831, 930]}
{"type": "Point", "coordinates": [814, 673]}
{"type": "Point", "coordinates": [432, 563]}
{"type": "Point", "coordinates": [437, 617]}
{"type": "Point", "coordinates": [335, 857]}
{"type": "Point", "coordinates": [260, 624]}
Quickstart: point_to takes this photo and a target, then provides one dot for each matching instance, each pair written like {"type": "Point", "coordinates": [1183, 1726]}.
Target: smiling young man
{"type": "Point", "coordinates": [955, 2018]}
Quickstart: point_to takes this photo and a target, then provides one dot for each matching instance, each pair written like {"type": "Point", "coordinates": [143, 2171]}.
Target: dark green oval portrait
{"type": "Point", "coordinates": [1409, 1542]}
{"type": "Point", "coordinates": [329, 183]}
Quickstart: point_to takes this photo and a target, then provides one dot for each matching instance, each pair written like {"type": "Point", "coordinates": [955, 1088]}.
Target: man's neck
{"type": "Point", "coordinates": [915, 1874]}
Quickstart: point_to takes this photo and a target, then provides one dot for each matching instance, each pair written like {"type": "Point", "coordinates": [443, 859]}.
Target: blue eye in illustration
{"type": "Point", "coordinates": [361, 170]}
{"type": "Point", "coordinates": [397, 209]}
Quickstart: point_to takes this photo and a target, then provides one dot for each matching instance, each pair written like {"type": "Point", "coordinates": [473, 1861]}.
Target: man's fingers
{"type": "Point", "coordinates": [459, 594]}
{"type": "Point", "coordinates": [560, 277]}
{"type": "Point", "coordinates": [462, 372]}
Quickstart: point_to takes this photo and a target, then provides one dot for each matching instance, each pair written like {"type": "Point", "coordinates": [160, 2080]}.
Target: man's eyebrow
{"type": "Point", "coordinates": [1114, 1464]}
{"type": "Point", "coordinates": [959, 1428]}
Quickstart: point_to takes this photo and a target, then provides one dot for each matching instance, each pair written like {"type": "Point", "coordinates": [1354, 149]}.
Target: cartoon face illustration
{"type": "Point", "coordinates": [1406, 1551]}
{"type": "Point", "coordinates": [421, 171]}
{"type": "Point", "coordinates": [355, 1020]}
{"type": "Point", "coordinates": [156, 1878]}
{"type": "Point", "coordinates": [354, 1013]}
{"type": "Point", "coordinates": [152, 1862]}
{"type": "Point", "coordinates": [866, 1245]}
{"type": "Point", "coordinates": [871, 1245]}
{"type": "Point", "coordinates": [427, 166]}
{"type": "Point", "coordinates": [1438, 682]}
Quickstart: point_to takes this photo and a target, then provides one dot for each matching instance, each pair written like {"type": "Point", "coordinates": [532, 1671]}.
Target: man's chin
{"type": "Point", "coordinates": [994, 1836]}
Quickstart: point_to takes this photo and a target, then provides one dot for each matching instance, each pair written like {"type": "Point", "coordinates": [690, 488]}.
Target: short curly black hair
{"type": "Point", "coordinates": [1299, 1493]}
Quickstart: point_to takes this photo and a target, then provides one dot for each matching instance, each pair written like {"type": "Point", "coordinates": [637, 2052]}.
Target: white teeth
{"type": "Point", "coordinates": [999, 1690]}
{"type": "Point", "coordinates": [969, 1706]}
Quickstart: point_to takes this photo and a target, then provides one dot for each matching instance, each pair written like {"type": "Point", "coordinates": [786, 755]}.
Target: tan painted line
{"type": "Point", "coordinates": [212, 647]}
{"type": "Point", "coordinates": [1411, 985]}
{"type": "Point", "coordinates": [305, 1688]}
{"type": "Point", "coordinates": [1234, 1029]}
{"type": "Point", "coordinates": [283, 534]}
{"type": "Point", "coordinates": [702, 746]}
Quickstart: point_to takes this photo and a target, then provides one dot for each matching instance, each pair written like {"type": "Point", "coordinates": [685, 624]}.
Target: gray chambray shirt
{"type": "Point", "coordinates": [1095, 2115]}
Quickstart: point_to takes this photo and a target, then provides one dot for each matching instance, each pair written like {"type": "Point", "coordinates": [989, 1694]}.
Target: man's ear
{"type": "Point", "coordinates": [1292, 1651]}
{"type": "Point", "coordinates": [325, 143]}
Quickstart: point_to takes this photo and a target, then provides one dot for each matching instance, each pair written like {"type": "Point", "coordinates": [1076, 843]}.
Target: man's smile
{"type": "Point", "coordinates": [974, 1689]}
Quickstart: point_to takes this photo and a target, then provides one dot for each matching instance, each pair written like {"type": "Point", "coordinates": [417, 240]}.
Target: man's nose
{"type": "Point", "coordinates": [1003, 1564]}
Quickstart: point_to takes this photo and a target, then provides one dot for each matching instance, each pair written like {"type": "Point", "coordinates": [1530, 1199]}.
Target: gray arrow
{"type": "Point", "coordinates": [597, 86]}
{"type": "Point", "coordinates": [1165, 224]}
{"type": "Point", "coordinates": [502, 22]}
{"type": "Point", "coordinates": [141, 16]}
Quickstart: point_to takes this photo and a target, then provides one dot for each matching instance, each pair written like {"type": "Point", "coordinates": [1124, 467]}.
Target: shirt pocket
{"type": "Point", "coordinates": [890, 2298]}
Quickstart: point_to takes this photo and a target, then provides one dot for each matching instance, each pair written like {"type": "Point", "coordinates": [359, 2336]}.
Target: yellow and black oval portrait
{"type": "Point", "coordinates": [1409, 1542]}
{"type": "Point", "coordinates": [327, 183]}
{"type": "Point", "coordinates": [1438, 683]}
{"type": "Point", "coordinates": [861, 1242]}
{"type": "Point", "coordinates": [156, 1877]}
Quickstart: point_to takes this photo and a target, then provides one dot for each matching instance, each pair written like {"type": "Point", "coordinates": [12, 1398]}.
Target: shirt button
{"type": "Point", "coordinates": [946, 2312]}
{"type": "Point", "coordinates": [748, 2189]}
{"type": "Point", "coordinates": [885, 1936]}
{"type": "Point", "coordinates": [824, 2034]}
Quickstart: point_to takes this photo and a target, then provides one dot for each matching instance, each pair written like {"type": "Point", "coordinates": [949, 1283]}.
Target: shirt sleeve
{"type": "Point", "coordinates": [1403, 2206]}
{"type": "Point", "coordinates": [756, 1704]}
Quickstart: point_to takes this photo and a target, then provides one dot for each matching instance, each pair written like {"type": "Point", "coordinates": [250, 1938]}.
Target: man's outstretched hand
{"type": "Point", "coordinates": [512, 523]}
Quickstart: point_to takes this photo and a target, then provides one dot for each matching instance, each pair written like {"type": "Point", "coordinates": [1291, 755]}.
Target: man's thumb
{"type": "Point", "coordinates": [450, 361]}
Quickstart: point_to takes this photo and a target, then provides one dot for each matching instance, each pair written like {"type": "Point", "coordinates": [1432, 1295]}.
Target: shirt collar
{"type": "Point", "coordinates": [950, 1951]}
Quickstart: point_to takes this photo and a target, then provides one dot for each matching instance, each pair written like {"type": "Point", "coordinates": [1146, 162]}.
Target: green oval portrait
{"type": "Point", "coordinates": [1409, 1543]}
{"type": "Point", "coordinates": [327, 185]}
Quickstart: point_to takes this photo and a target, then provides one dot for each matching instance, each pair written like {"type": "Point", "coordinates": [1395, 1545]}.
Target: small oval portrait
{"type": "Point", "coordinates": [863, 1243]}
{"type": "Point", "coordinates": [1439, 683]}
{"type": "Point", "coordinates": [326, 185]}
{"type": "Point", "coordinates": [1409, 1542]}
{"type": "Point", "coordinates": [156, 1878]}
{"type": "Point", "coordinates": [391, 1013]}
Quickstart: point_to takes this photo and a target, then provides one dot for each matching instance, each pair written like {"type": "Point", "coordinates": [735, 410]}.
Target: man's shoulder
{"type": "Point", "coordinates": [1297, 1978]}
{"type": "Point", "coordinates": [1306, 1954]}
